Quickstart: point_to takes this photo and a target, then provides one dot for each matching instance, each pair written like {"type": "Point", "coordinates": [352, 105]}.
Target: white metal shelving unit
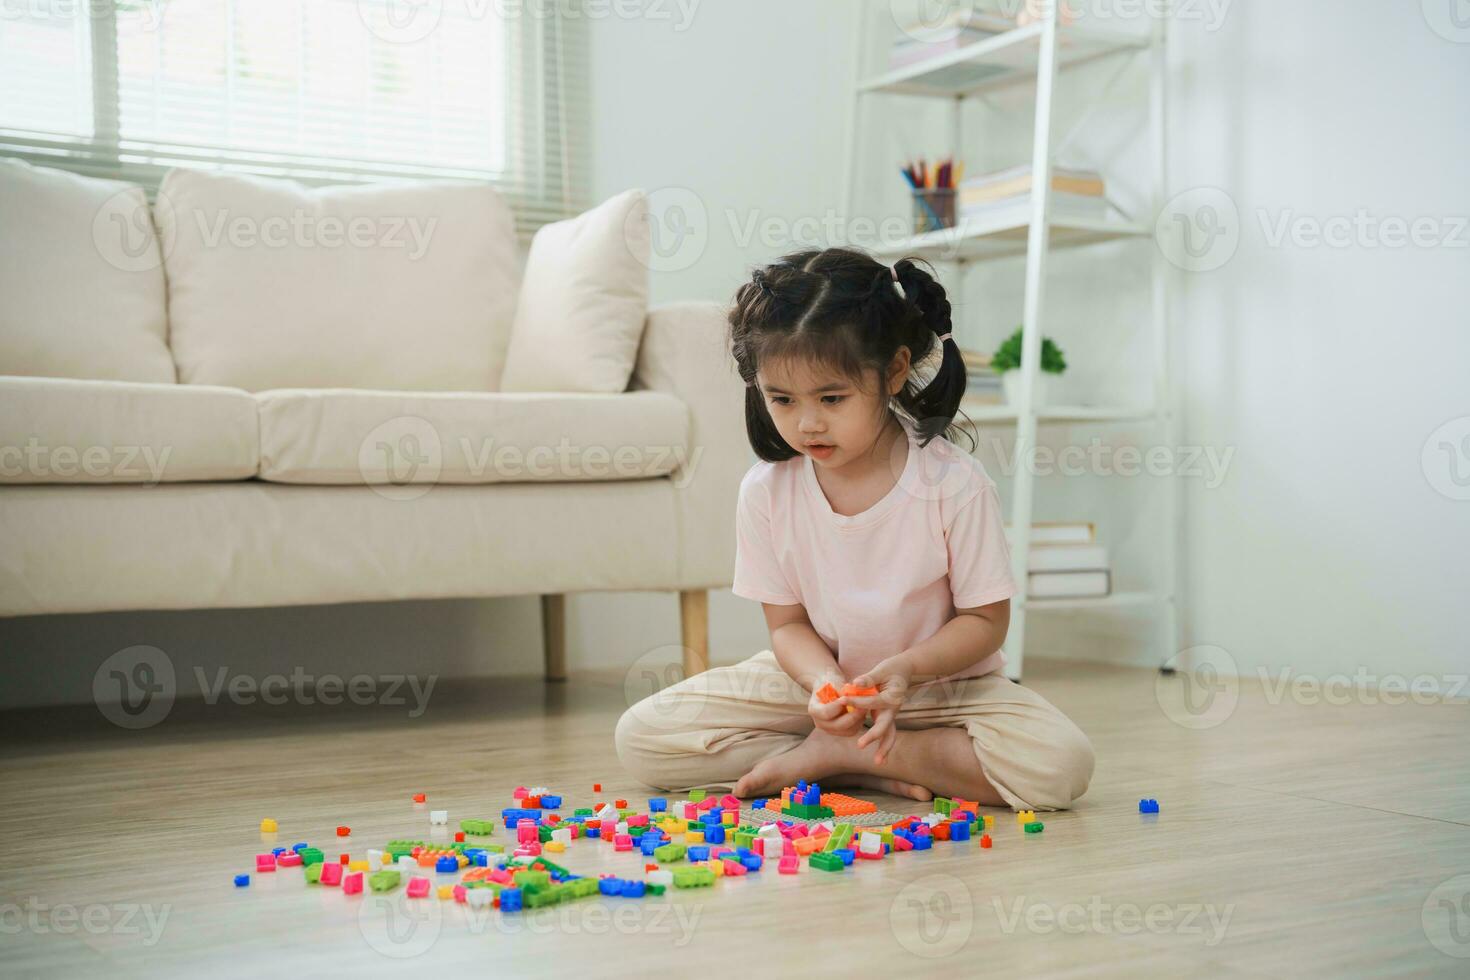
{"type": "Point", "coordinates": [1034, 55]}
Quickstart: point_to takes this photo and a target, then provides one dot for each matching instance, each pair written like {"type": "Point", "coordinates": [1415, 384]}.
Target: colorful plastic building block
{"type": "Point", "coordinates": [290, 859]}
{"type": "Point", "coordinates": [313, 873]}
{"type": "Point", "coordinates": [344, 831]}
{"type": "Point", "coordinates": [789, 865]}
{"type": "Point", "coordinates": [511, 900]}
{"type": "Point", "coordinates": [959, 830]}
{"type": "Point", "coordinates": [331, 874]}
{"type": "Point", "coordinates": [1148, 806]}
{"type": "Point", "coordinates": [438, 816]}
{"type": "Point", "coordinates": [418, 887]}
{"type": "Point", "coordinates": [1034, 827]}
{"type": "Point", "coordinates": [826, 861]}
{"type": "Point", "coordinates": [827, 694]}
{"type": "Point", "coordinates": [264, 863]}
{"type": "Point", "coordinates": [984, 840]}
{"type": "Point", "coordinates": [352, 884]}
{"type": "Point", "coordinates": [384, 881]}
{"type": "Point", "coordinates": [241, 881]}
{"type": "Point", "coordinates": [1025, 816]}
{"type": "Point", "coordinates": [267, 826]}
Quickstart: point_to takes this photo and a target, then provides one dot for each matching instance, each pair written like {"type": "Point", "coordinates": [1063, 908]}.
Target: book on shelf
{"type": "Point", "coordinates": [1067, 558]}
{"type": "Point", "coordinates": [1017, 180]}
{"type": "Point", "coordinates": [1018, 208]}
{"type": "Point", "coordinates": [1058, 532]}
{"type": "Point", "coordinates": [1068, 585]}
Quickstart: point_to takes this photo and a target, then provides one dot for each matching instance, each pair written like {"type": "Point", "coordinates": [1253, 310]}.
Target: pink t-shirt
{"type": "Point", "coordinates": [876, 583]}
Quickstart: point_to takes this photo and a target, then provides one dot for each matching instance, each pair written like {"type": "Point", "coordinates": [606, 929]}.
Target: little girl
{"type": "Point", "coordinates": [876, 549]}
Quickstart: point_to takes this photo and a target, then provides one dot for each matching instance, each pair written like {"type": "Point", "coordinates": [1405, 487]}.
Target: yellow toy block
{"type": "Point", "coordinates": [554, 846]}
{"type": "Point", "coordinates": [446, 891]}
{"type": "Point", "coordinates": [694, 837]}
{"type": "Point", "coordinates": [358, 866]}
{"type": "Point", "coordinates": [1025, 816]}
{"type": "Point", "coordinates": [718, 867]}
{"type": "Point", "coordinates": [267, 826]}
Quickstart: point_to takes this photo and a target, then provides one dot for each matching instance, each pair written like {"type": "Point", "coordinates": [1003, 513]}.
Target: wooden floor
{"type": "Point", "coordinates": [1293, 840]}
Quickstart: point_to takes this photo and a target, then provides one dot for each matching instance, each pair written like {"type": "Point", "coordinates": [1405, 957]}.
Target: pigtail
{"type": "Point", "coordinates": [933, 407]}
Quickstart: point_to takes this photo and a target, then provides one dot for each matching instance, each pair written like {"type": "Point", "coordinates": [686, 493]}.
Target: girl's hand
{"type": "Point", "coordinates": [833, 717]}
{"type": "Point", "coordinates": [891, 678]}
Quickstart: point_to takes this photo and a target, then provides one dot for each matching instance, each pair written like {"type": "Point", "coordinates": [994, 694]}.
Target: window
{"type": "Point", "coordinates": [321, 91]}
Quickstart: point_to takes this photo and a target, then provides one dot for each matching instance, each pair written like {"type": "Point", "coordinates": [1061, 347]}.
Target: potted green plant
{"type": "Point", "coordinates": [1007, 359]}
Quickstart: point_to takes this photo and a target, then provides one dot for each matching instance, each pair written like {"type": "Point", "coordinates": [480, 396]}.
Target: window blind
{"type": "Point", "coordinates": [322, 91]}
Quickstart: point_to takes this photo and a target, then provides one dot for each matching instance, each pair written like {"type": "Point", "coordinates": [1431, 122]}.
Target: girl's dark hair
{"type": "Point", "coordinates": [838, 307]}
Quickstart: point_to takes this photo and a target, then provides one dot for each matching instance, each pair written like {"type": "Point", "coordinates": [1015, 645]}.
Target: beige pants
{"type": "Point", "coordinates": [710, 729]}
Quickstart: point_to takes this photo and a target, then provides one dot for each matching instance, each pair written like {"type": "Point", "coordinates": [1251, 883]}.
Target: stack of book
{"type": "Point", "coordinates": [1065, 561]}
{"type": "Point", "coordinates": [982, 384]}
{"type": "Point", "coordinates": [921, 41]}
{"type": "Point", "coordinates": [991, 196]}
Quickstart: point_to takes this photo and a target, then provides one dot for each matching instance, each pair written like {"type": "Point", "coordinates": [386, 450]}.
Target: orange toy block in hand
{"type": "Point", "coordinates": [827, 694]}
{"type": "Point", "coordinates": [853, 691]}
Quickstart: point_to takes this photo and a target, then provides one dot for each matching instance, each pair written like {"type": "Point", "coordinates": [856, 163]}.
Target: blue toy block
{"type": "Point", "coordinates": [278, 851]}
{"type": "Point", "coordinates": [648, 845]}
{"type": "Point", "coordinates": [697, 852]}
{"type": "Point", "coordinates": [752, 862]}
{"type": "Point", "coordinates": [760, 802]}
{"type": "Point", "coordinates": [592, 830]}
{"type": "Point", "coordinates": [446, 865]}
{"type": "Point", "coordinates": [551, 802]}
{"type": "Point", "coordinates": [1148, 806]}
{"type": "Point", "coordinates": [714, 834]}
{"type": "Point", "coordinates": [610, 886]}
{"type": "Point", "coordinates": [298, 848]}
{"type": "Point", "coordinates": [632, 889]}
{"type": "Point", "coordinates": [510, 900]}
{"type": "Point", "coordinates": [959, 831]}
{"type": "Point", "coordinates": [481, 859]}
{"type": "Point", "coordinates": [846, 853]}
{"type": "Point", "coordinates": [657, 804]}
{"type": "Point", "coordinates": [964, 815]}
{"type": "Point", "coordinates": [241, 881]}
{"type": "Point", "coordinates": [801, 784]}
{"type": "Point", "coordinates": [923, 842]}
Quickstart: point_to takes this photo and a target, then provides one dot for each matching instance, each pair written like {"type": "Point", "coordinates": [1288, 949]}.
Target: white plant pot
{"type": "Point", "coordinates": [1010, 382]}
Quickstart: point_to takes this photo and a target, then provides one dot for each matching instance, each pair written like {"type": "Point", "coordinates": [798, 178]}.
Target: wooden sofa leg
{"type": "Point", "coordinates": [554, 635]}
{"type": "Point", "coordinates": [694, 625]}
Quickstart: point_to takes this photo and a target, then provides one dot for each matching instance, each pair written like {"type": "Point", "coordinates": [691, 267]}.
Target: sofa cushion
{"type": "Point", "coordinates": [583, 301]}
{"type": "Point", "coordinates": [62, 430]}
{"type": "Point", "coordinates": [81, 278]}
{"type": "Point", "coordinates": [344, 436]}
{"type": "Point", "coordinates": [275, 285]}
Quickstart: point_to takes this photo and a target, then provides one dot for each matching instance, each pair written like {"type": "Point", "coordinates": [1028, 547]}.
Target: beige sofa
{"type": "Point", "coordinates": [180, 429]}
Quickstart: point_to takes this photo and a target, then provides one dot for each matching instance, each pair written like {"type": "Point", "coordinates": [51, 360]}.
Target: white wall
{"type": "Point", "coordinates": [1325, 547]}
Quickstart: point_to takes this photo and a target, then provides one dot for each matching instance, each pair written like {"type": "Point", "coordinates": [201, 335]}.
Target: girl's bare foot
{"type": "Point", "coordinates": [819, 756]}
{"type": "Point", "coordinates": [893, 787]}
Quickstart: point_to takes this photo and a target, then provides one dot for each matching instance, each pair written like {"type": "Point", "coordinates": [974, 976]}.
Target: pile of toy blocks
{"type": "Point", "coordinates": [684, 844]}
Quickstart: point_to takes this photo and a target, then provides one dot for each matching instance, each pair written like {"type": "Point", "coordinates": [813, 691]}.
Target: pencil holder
{"type": "Point", "coordinates": [933, 209]}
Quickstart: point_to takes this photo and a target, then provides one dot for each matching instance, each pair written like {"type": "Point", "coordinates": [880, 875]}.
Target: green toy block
{"type": "Point", "coordinates": [696, 796]}
{"type": "Point", "coordinates": [826, 861]}
{"type": "Point", "coordinates": [582, 811]}
{"type": "Point", "coordinates": [943, 805]}
{"type": "Point", "coordinates": [693, 877]}
{"type": "Point", "coordinates": [544, 833]}
{"type": "Point", "coordinates": [313, 873]}
{"type": "Point", "coordinates": [384, 881]}
{"type": "Point", "coordinates": [653, 889]}
{"type": "Point", "coordinates": [480, 828]}
{"type": "Point", "coordinates": [886, 835]}
{"type": "Point", "coordinates": [583, 887]}
{"type": "Point", "coordinates": [531, 880]}
{"type": "Point", "coordinates": [841, 837]}
{"type": "Point", "coordinates": [668, 853]}
{"type": "Point", "coordinates": [311, 855]}
{"type": "Point", "coordinates": [1034, 827]}
{"type": "Point", "coordinates": [743, 839]}
{"type": "Point", "coordinates": [807, 811]}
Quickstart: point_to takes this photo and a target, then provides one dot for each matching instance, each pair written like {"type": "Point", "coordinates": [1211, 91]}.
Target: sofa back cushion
{"type": "Point", "coordinates": [272, 284]}
{"type": "Point", "coordinates": [81, 278]}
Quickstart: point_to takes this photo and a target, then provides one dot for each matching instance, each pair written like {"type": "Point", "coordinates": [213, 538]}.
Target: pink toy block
{"type": "Point", "coordinates": [265, 862]}
{"type": "Point", "coordinates": [708, 803]}
{"type": "Point", "coordinates": [460, 893]}
{"type": "Point", "coordinates": [288, 860]}
{"type": "Point", "coordinates": [759, 846]}
{"type": "Point", "coordinates": [902, 843]}
{"type": "Point", "coordinates": [638, 820]}
{"type": "Point", "coordinates": [520, 792]}
{"type": "Point", "coordinates": [526, 831]}
{"type": "Point", "coordinates": [729, 802]}
{"type": "Point", "coordinates": [501, 876]}
{"type": "Point", "coordinates": [331, 874]}
{"type": "Point", "coordinates": [691, 812]}
{"type": "Point", "coordinates": [789, 865]}
{"type": "Point", "coordinates": [788, 849]}
{"type": "Point", "coordinates": [352, 884]}
{"type": "Point", "coordinates": [418, 887]}
{"type": "Point", "coordinates": [734, 868]}
{"type": "Point", "coordinates": [527, 850]}
{"type": "Point", "coordinates": [609, 828]}
{"type": "Point", "coordinates": [623, 842]}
